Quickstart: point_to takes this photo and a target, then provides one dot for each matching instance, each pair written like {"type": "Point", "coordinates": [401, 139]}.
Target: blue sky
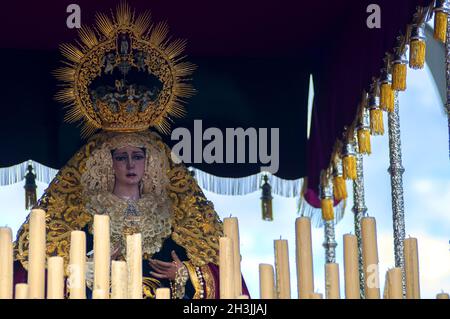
{"type": "Point", "coordinates": [424, 136]}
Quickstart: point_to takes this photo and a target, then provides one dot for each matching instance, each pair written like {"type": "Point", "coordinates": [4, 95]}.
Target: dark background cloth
{"type": "Point", "coordinates": [254, 60]}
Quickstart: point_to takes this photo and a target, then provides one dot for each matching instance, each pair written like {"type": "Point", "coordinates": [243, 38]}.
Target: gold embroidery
{"type": "Point", "coordinates": [194, 279]}
{"type": "Point", "coordinates": [149, 286]}
{"type": "Point", "coordinates": [210, 282]}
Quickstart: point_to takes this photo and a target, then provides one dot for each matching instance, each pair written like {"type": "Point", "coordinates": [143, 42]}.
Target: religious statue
{"type": "Point", "coordinates": [125, 170]}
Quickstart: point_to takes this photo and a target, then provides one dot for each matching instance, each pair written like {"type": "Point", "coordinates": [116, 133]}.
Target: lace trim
{"type": "Point", "coordinates": [150, 216]}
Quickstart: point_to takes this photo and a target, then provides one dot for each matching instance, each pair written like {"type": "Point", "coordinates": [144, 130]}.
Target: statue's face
{"type": "Point", "coordinates": [128, 165]}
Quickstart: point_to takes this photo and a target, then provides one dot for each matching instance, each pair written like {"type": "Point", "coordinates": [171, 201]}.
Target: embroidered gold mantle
{"type": "Point", "coordinates": [196, 226]}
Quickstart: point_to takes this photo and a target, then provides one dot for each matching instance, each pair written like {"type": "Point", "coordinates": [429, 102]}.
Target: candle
{"type": "Point", "coordinates": [36, 255]}
{"type": "Point", "coordinates": [442, 295]}
{"type": "Point", "coordinates": [314, 295]}
{"type": "Point", "coordinates": [282, 269]}
{"type": "Point", "coordinates": [395, 283]}
{"type": "Point", "coordinates": [332, 281]}
{"type": "Point", "coordinates": [134, 261]}
{"type": "Point", "coordinates": [370, 258]}
{"type": "Point", "coordinates": [99, 294]}
{"type": "Point", "coordinates": [55, 278]}
{"type": "Point", "coordinates": [21, 291]}
{"type": "Point", "coordinates": [226, 268]}
{"type": "Point", "coordinates": [266, 282]}
{"type": "Point", "coordinates": [162, 293]}
{"type": "Point", "coordinates": [77, 265]}
{"type": "Point", "coordinates": [351, 267]}
{"type": "Point", "coordinates": [411, 268]}
{"type": "Point", "coordinates": [119, 280]}
{"type": "Point", "coordinates": [6, 263]}
{"type": "Point", "coordinates": [386, 286]}
{"type": "Point", "coordinates": [231, 230]}
{"type": "Point", "coordinates": [305, 277]}
{"type": "Point", "coordinates": [101, 253]}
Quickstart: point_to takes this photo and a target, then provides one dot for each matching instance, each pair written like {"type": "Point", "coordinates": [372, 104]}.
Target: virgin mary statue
{"type": "Point", "coordinates": [123, 79]}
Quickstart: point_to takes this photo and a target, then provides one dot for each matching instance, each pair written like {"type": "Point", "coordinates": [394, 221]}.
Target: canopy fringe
{"type": "Point", "coordinates": [219, 185]}
{"type": "Point", "coordinates": [246, 185]}
{"type": "Point", "coordinates": [16, 173]}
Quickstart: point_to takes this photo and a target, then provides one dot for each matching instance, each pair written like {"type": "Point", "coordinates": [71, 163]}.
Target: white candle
{"type": "Point", "coordinates": [162, 293]}
{"type": "Point", "coordinates": [55, 278]}
{"type": "Point", "coordinates": [266, 282]}
{"type": "Point", "coordinates": [231, 230]}
{"type": "Point", "coordinates": [119, 280]}
{"type": "Point", "coordinates": [305, 276]}
{"type": "Point", "coordinates": [134, 262]}
{"type": "Point", "coordinates": [386, 286]}
{"type": "Point", "coordinates": [314, 295]}
{"type": "Point", "coordinates": [21, 291]}
{"type": "Point", "coordinates": [99, 294]}
{"type": "Point", "coordinates": [37, 254]}
{"type": "Point", "coordinates": [395, 283]}
{"type": "Point", "coordinates": [332, 281]}
{"type": "Point", "coordinates": [101, 253]}
{"type": "Point", "coordinates": [77, 265]}
{"type": "Point", "coordinates": [282, 269]}
{"type": "Point", "coordinates": [370, 257]}
{"type": "Point", "coordinates": [351, 267]}
{"type": "Point", "coordinates": [6, 263]}
{"type": "Point", "coordinates": [226, 268]}
{"type": "Point", "coordinates": [442, 295]}
{"type": "Point", "coordinates": [411, 268]}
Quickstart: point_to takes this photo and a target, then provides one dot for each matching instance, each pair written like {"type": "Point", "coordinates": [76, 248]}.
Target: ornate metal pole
{"type": "Point", "coordinates": [447, 64]}
{"type": "Point", "coordinates": [330, 242]}
{"type": "Point", "coordinates": [360, 210]}
{"type": "Point", "coordinates": [396, 171]}
{"type": "Point", "coordinates": [326, 194]}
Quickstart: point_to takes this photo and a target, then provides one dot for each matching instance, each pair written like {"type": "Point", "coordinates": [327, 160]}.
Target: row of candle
{"type": "Point", "coordinates": [277, 285]}
{"type": "Point", "coordinates": [126, 276]}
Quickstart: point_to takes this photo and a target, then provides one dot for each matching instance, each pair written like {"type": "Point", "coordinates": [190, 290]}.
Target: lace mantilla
{"type": "Point", "coordinates": [150, 216]}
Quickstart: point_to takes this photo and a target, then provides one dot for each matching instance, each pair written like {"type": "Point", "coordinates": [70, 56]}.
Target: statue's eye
{"type": "Point", "coordinates": [138, 157]}
{"type": "Point", "coordinates": [120, 158]}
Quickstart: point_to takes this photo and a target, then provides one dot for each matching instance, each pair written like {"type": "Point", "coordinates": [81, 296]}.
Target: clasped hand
{"type": "Point", "coordinates": [166, 270]}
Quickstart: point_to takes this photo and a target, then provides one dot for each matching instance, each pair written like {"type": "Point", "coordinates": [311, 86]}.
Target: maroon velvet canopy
{"type": "Point", "coordinates": [254, 60]}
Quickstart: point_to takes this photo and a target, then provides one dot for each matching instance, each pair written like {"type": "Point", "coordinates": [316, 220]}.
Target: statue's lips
{"type": "Point", "coordinates": [131, 175]}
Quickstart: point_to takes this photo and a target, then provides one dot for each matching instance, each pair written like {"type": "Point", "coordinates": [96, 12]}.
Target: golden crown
{"type": "Point", "coordinates": [124, 75]}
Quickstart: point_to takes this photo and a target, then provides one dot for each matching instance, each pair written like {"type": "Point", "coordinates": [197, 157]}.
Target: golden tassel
{"type": "Point", "coordinates": [349, 167]}
{"type": "Point", "coordinates": [376, 122]}
{"type": "Point", "coordinates": [387, 97]}
{"type": "Point", "coordinates": [391, 100]}
{"type": "Point", "coordinates": [440, 26]}
{"type": "Point", "coordinates": [364, 141]}
{"type": "Point", "coordinates": [327, 209]}
{"type": "Point", "coordinates": [399, 77]}
{"type": "Point", "coordinates": [417, 54]}
{"type": "Point", "coordinates": [339, 188]}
